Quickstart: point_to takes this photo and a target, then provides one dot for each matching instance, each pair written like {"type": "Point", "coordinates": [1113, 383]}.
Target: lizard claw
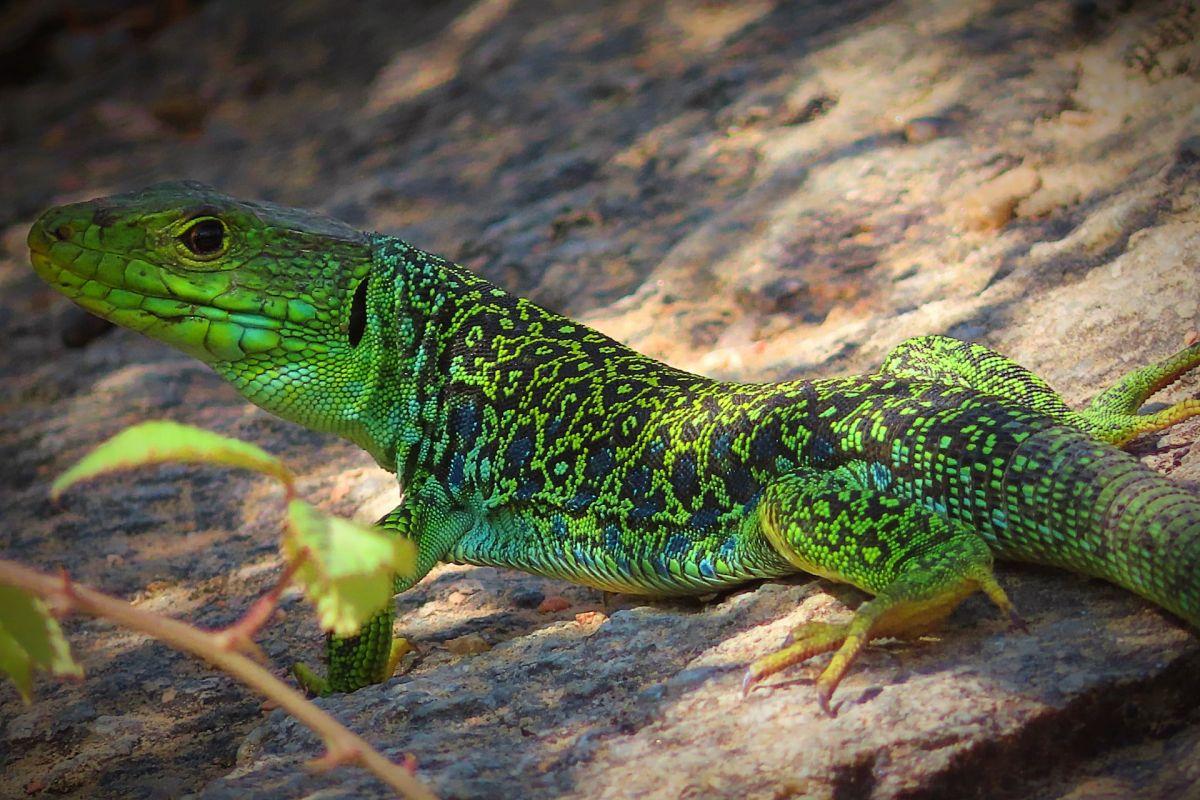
{"type": "Point", "coordinates": [309, 681]}
{"type": "Point", "coordinates": [823, 696]}
{"type": "Point", "coordinates": [749, 680]}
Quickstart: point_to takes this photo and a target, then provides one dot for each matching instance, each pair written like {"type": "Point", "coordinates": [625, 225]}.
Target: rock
{"type": "Point", "coordinates": [925, 129]}
{"type": "Point", "coordinates": [467, 645]}
{"type": "Point", "coordinates": [79, 328]}
{"type": "Point", "coordinates": [553, 603]}
{"type": "Point", "coordinates": [972, 703]}
{"type": "Point", "coordinates": [528, 598]}
{"type": "Point", "coordinates": [1189, 149]}
{"type": "Point", "coordinates": [991, 206]}
{"type": "Point", "coordinates": [590, 619]}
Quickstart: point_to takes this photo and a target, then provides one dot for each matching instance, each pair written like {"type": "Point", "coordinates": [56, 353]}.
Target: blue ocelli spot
{"type": "Point", "coordinates": [881, 476]}
{"type": "Point", "coordinates": [581, 501]}
{"type": "Point", "coordinates": [612, 538]}
{"type": "Point", "coordinates": [464, 421]}
{"type": "Point", "coordinates": [600, 462]}
{"type": "Point", "coordinates": [677, 544]}
{"type": "Point", "coordinates": [721, 444]}
{"type": "Point", "coordinates": [518, 450]}
{"type": "Point", "coordinates": [455, 474]}
{"type": "Point", "coordinates": [821, 447]}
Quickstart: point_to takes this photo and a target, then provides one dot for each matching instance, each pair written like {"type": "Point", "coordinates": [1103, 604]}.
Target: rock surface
{"type": "Point", "coordinates": [754, 190]}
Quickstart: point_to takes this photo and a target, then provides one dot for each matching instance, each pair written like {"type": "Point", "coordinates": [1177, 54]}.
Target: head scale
{"type": "Point", "coordinates": [275, 299]}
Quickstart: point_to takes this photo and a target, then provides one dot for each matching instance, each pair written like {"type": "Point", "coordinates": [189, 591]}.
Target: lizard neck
{"type": "Point", "coordinates": [414, 304]}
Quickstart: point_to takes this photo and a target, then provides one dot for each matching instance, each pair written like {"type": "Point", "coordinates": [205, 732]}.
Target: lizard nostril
{"type": "Point", "coordinates": [61, 232]}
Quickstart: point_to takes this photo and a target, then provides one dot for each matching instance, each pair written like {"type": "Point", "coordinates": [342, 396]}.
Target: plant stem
{"type": "Point", "coordinates": [343, 745]}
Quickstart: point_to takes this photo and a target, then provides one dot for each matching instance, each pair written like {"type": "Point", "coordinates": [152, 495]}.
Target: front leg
{"type": "Point", "coordinates": [429, 518]}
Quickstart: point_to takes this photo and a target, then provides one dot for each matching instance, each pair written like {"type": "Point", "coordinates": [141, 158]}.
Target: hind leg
{"type": "Point", "coordinates": [959, 363]}
{"type": "Point", "coordinates": [1113, 414]}
{"type": "Point", "coordinates": [1112, 417]}
{"type": "Point", "coordinates": [918, 564]}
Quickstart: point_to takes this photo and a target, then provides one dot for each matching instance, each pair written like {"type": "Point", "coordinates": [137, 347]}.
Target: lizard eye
{"type": "Point", "coordinates": [358, 313]}
{"type": "Point", "coordinates": [205, 237]}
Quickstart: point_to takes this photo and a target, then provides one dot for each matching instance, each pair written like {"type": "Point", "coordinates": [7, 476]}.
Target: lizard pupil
{"type": "Point", "coordinates": [358, 313]}
{"type": "Point", "coordinates": [205, 237]}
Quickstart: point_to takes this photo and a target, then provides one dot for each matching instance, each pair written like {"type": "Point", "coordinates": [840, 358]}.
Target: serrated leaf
{"type": "Point", "coordinates": [30, 637]}
{"type": "Point", "coordinates": [160, 441]}
{"type": "Point", "coordinates": [347, 568]}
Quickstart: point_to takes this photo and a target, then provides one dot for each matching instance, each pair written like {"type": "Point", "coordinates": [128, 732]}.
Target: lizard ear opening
{"type": "Point", "coordinates": [358, 313]}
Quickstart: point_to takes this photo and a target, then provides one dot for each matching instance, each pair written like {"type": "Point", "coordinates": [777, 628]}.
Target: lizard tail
{"type": "Point", "coordinates": [1074, 502]}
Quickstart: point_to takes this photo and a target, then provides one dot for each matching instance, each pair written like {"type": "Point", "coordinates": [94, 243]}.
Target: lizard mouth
{"type": "Point", "coordinates": [39, 242]}
{"type": "Point", "coordinates": [56, 268]}
{"type": "Point", "coordinates": [146, 298]}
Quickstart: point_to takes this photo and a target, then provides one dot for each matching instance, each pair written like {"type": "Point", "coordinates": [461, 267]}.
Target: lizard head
{"type": "Point", "coordinates": [273, 298]}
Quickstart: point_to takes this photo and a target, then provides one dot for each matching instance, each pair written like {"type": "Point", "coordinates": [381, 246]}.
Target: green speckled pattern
{"type": "Point", "coordinates": [527, 440]}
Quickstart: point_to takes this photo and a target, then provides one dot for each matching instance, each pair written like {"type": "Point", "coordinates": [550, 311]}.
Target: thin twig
{"type": "Point", "coordinates": [240, 635]}
{"type": "Point", "coordinates": [343, 745]}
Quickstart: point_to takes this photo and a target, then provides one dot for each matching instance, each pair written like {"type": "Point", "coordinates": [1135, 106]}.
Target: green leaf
{"type": "Point", "coordinates": [160, 441]}
{"type": "Point", "coordinates": [346, 569]}
{"type": "Point", "coordinates": [31, 638]}
{"type": "Point", "coordinates": [15, 663]}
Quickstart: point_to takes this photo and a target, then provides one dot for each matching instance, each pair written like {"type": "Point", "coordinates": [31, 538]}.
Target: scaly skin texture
{"type": "Point", "coordinates": [526, 440]}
